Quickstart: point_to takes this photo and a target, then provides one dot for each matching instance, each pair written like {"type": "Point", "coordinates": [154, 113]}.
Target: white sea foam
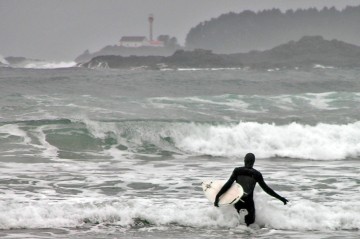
{"type": "Point", "coordinates": [320, 100]}
{"type": "Point", "coordinates": [49, 65]}
{"type": "Point", "coordinates": [261, 104]}
{"type": "Point", "coordinates": [272, 70]}
{"type": "Point", "coordinates": [269, 140]}
{"type": "Point", "coordinates": [309, 215]}
{"type": "Point", "coordinates": [14, 130]}
{"type": "Point", "coordinates": [3, 60]}
{"type": "Point", "coordinates": [209, 69]}
{"type": "Point", "coordinates": [236, 103]}
{"type": "Point", "coordinates": [48, 150]}
{"type": "Point", "coordinates": [299, 215]}
{"type": "Point", "coordinates": [318, 66]}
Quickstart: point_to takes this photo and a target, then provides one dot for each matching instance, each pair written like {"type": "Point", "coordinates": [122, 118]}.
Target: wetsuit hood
{"type": "Point", "coordinates": [249, 160]}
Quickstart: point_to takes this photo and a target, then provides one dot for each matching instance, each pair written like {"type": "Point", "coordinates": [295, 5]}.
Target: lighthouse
{"type": "Point", "coordinates": [141, 41]}
{"type": "Point", "coordinates": [151, 20]}
{"type": "Point", "coordinates": [152, 42]}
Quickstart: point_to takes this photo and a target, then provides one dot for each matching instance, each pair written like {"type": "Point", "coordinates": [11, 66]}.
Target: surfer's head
{"type": "Point", "coordinates": [249, 160]}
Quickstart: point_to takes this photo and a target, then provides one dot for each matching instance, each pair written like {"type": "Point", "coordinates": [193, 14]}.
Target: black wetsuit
{"type": "Point", "coordinates": [247, 177]}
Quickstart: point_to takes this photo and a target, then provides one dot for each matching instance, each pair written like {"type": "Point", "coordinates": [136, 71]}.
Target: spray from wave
{"type": "Point", "coordinates": [49, 65]}
{"type": "Point", "coordinates": [3, 60]}
{"type": "Point", "coordinates": [22, 62]}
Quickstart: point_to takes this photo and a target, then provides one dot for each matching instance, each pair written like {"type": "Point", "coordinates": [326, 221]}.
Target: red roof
{"type": "Point", "coordinates": [156, 42]}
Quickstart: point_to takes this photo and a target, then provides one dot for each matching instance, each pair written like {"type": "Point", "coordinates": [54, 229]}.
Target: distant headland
{"type": "Point", "coordinates": [309, 51]}
{"type": "Point", "coordinates": [242, 32]}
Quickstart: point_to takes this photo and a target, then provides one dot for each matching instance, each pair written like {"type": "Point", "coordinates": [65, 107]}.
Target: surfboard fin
{"type": "Point", "coordinates": [207, 185]}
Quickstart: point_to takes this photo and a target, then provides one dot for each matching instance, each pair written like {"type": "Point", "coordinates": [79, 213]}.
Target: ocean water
{"type": "Point", "coordinates": [110, 154]}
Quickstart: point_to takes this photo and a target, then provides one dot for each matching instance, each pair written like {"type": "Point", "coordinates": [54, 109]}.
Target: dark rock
{"type": "Point", "coordinates": [307, 52]}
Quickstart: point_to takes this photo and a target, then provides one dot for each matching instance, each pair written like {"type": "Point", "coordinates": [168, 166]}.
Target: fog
{"type": "Point", "coordinates": [63, 29]}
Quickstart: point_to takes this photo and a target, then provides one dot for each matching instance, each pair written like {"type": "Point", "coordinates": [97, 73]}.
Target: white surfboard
{"type": "Point", "coordinates": [231, 196]}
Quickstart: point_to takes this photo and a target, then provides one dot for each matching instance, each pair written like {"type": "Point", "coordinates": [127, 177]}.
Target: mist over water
{"type": "Point", "coordinates": [121, 154]}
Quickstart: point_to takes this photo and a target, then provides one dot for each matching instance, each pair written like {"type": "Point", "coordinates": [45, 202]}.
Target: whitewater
{"type": "Point", "coordinates": [101, 153]}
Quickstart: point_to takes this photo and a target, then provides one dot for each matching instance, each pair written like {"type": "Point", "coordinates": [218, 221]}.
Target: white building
{"type": "Point", "coordinates": [136, 41]}
{"type": "Point", "coordinates": [133, 41]}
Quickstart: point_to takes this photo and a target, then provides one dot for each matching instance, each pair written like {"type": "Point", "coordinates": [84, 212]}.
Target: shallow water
{"type": "Point", "coordinates": [122, 154]}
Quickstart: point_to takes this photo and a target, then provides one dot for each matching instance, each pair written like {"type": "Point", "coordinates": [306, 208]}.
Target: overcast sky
{"type": "Point", "coordinates": [63, 29]}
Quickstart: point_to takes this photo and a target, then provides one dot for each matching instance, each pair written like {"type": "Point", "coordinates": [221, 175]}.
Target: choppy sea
{"type": "Point", "coordinates": [99, 153]}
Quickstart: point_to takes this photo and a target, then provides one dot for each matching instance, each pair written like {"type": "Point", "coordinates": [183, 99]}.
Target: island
{"type": "Point", "coordinates": [259, 30]}
{"type": "Point", "coordinates": [306, 52]}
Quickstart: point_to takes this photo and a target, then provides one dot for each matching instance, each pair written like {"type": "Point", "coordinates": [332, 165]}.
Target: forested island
{"type": "Point", "coordinates": [306, 52]}
{"type": "Point", "coordinates": [248, 30]}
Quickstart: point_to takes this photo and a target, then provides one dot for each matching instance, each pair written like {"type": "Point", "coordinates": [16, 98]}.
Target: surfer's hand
{"type": "Point", "coordinates": [216, 203]}
{"type": "Point", "coordinates": [284, 200]}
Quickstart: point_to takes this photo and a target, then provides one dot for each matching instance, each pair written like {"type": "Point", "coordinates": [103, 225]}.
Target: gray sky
{"type": "Point", "coordinates": [63, 29]}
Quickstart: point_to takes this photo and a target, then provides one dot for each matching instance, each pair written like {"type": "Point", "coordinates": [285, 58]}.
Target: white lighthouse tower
{"type": "Point", "coordinates": [152, 42]}
{"type": "Point", "coordinates": [151, 20]}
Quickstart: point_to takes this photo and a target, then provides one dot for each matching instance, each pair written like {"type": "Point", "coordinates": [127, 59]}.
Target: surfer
{"type": "Point", "coordinates": [247, 177]}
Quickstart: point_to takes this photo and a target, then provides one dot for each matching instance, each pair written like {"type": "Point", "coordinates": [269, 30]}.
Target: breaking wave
{"type": "Point", "coordinates": [269, 140]}
{"type": "Point", "coordinates": [128, 213]}
{"type": "Point", "coordinates": [315, 142]}
{"type": "Point", "coordinates": [49, 65]}
{"type": "Point", "coordinates": [3, 60]}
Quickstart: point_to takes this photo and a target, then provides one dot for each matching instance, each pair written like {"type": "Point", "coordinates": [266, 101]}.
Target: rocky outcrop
{"type": "Point", "coordinates": [307, 52]}
{"type": "Point", "coordinates": [126, 51]}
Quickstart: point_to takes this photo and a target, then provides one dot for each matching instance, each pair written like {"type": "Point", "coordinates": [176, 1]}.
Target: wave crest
{"type": "Point", "coordinates": [319, 142]}
{"type": "Point", "coordinates": [66, 138]}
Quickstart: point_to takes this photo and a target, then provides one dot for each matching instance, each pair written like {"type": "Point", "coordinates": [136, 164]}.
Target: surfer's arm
{"type": "Point", "coordinates": [224, 188]}
{"type": "Point", "coordinates": [268, 190]}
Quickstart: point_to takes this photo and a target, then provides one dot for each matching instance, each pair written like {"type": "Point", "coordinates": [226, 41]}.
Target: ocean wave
{"type": "Point", "coordinates": [318, 142]}
{"type": "Point", "coordinates": [83, 136]}
{"type": "Point", "coordinates": [130, 213]}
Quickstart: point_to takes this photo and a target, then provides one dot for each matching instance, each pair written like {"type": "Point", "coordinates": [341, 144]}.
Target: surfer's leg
{"type": "Point", "coordinates": [239, 205]}
{"type": "Point", "coordinates": [250, 217]}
